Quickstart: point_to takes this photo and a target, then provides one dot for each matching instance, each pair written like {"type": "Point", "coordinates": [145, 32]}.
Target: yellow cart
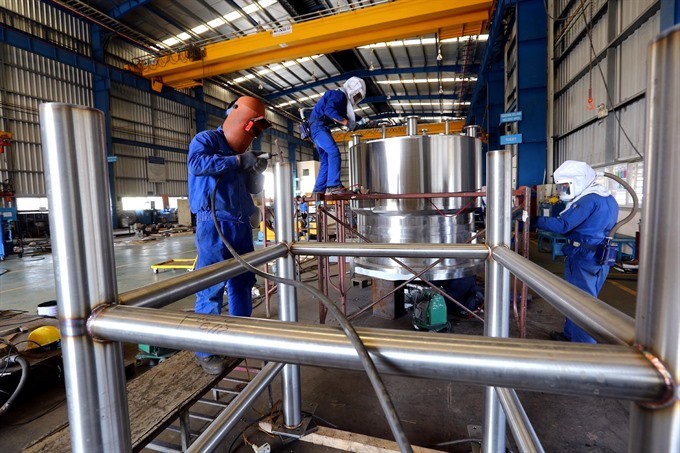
{"type": "Point", "coordinates": [176, 263]}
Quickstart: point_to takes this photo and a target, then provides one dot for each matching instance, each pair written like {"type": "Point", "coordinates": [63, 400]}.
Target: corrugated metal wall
{"type": "Point", "coordinates": [601, 46]}
{"type": "Point", "coordinates": [29, 80]}
{"type": "Point", "coordinates": [155, 124]}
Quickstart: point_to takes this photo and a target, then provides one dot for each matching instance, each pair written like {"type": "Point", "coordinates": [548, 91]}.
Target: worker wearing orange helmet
{"type": "Point", "coordinates": [218, 161]}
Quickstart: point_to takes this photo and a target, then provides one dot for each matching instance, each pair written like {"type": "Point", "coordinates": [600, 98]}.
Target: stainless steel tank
{"type": "Point", "coordinates": [412, 165]}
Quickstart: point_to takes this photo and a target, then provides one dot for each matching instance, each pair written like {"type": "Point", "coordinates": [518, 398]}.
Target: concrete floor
{"type": "Point", "coordinates": [431, 411]}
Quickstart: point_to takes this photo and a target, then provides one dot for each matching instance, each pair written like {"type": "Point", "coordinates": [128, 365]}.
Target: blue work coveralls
{"type": "Point", "coordinates": [210, 157]}
{"type": "Point", "coordinates": [587, 222]}
{"type": "Point", "coordinates": [329, 111]}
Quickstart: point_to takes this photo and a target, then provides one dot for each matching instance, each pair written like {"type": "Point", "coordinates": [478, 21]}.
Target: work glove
{"type": "Point", "coordinates": [362, 122]}
{"type": "Point", "coordinates": [260, 165]}
{"type": "Point", "coordinates": [248, 160]}
{"type": "Point", "coordinates": [255, 182]}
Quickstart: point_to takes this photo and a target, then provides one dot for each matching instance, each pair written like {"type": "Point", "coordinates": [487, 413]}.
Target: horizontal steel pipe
{"type": "Point", "coordinates": [602, 321]}
{"type": "Point", "coordinates": [168, 291]}
{"type": "Point", "coordinates": [214, 434]}
{"type": "Point", "coordinates": [564, 368]}
{"type": "Point", "coordinates": [420, 250]}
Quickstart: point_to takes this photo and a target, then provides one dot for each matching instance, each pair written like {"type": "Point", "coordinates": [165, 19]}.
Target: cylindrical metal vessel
{"type": "Point", "coordinates": [412, 165]}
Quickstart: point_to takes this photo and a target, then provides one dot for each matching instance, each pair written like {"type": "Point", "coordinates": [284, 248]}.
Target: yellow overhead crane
{"type": "Point", "coordinates": [400, 131]}
{"type": "Point", "coordinates": [385, 22]}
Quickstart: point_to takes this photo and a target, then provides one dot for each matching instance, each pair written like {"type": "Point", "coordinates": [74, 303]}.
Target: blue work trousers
{"type": "Point", "coordinates": [584, 273]}
{"type": "Point", "coordinates": [329, 171]}
{"type": "Point", "coordinates": [211, 250]}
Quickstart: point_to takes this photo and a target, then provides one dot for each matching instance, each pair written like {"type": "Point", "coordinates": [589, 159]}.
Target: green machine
{"type": "Point", "coordinates": [153, 354]}
{"type": "Point", "coordinates": [429, 312]}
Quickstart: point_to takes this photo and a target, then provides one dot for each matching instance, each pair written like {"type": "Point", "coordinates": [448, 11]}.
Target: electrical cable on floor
{"type": "Point", "coordinates": [458, 441]}
{"type": "Point", "coordinates": [18, 360]}
{"type": "Point", "coordinates": [372, 372]}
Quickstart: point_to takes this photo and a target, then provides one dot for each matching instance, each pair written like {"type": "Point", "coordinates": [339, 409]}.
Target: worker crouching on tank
{"type": "Point", "coordinates": [218, 162]}
{"type": "Point", "coordinates": [589, 216]}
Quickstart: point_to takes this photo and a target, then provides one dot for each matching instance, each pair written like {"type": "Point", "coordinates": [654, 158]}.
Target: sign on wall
{"type": "Point", "coordinates": [155, 167]}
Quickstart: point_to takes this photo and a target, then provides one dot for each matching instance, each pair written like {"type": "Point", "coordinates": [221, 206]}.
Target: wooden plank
{"type": "Point", "coordinates": [346, 441]}
{"type": "Point", "coordinates": [154, 400]}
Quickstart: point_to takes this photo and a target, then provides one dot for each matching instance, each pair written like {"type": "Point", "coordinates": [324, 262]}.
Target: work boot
{"type": "Point", "coordinates": [338, 190]}
{"type": "Point", "coordinates": [213, 364]}
{"type": "Point", "coordinates": [558, 336]}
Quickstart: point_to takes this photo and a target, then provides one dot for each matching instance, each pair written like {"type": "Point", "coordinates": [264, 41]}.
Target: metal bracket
{"type": "Point", "coordinates": [306, 426]}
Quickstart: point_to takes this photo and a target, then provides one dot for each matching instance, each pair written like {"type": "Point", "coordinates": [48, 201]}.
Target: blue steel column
{"type": "Point", "coordinates": [102, 101]}
{"type": "Point", "coordinates": [497, 290]}
{"type": "Point", "coordinates": [292, 149]}
{"type": "Point", "coordinates": [532, 83]}
{"type": "Point", "coordinates": [670, 13]}
{"type": "Point", "coordinates": [201, 113]}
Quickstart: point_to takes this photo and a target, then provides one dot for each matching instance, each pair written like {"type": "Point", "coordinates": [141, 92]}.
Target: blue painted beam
{"type": "Point", "coordinates": [45, 49]}
{"type": "Point", "coordinates": [532, 43]}
{"type": "Point", "coordinates": [124, 141]}
{"type": "Point", "coordinates": [126, 7]}
{"type": "Point", "coordinates": [367, 73]}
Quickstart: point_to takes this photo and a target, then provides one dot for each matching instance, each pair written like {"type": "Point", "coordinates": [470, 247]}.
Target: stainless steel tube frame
{"type": "Point", "coordinates": [414, 250]}
{"type": "Point", "coordinates": [76, 174]}
{"type": "Point", "coordinates": [658, 307]}
{"type": "Point", "coordinates": [288, 310]}
{"type": "Point", "coordinates": [604, 322]}
{"type": "Point", "coordinates": [212, 437]}
{"type": "Point", "coordinates": [412, 125]}
{"type": "Point", "coordinates": [525, 437]}
{"type": "Point", "coordinates": [497, 291]}
{"type": "Point", "coordinates": [596, 370]}
{"type": "Point", "coordinates": [173, 289]}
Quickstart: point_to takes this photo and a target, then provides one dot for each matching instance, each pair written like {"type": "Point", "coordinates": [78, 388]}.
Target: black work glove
{"type": "Point", "coordinates": [248, 160]}
{"type": "Point", "coordinates": [260, 165]}
{"type": "Point", "coordinates": [255, 182]}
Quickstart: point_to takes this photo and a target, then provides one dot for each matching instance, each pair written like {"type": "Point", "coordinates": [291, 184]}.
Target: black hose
{"type": "Point", "coordinates": [24, 375]}
{"type": "Point", "coordinates": [369, 366]}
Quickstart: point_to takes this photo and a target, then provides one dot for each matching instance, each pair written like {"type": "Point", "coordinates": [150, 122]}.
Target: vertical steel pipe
{"type": "Point", "coordinates": [74, 152]}
{"type": "Point", "coordinates": [212, 437]}
{"type": "Point", "coordinates": [658, 307]}
{"type": "Point", "coordinates": [283, 204]}
{"type": "Point", "coordinates": [497, 303]}
{"type": "Point", "coordinates": [412, 125]}
{"type": "Point", "coordinates": [525, 437]}
{"type": "Point", "coordinates": [383, 130]}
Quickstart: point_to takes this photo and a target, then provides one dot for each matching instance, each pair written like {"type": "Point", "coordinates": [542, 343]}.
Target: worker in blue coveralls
{"type": "Point", "coordinates": [335, 108]}
{"type": "Point", "coordinates": [589, 216]}
{"type": "Point", "coordinates": [213, 154]}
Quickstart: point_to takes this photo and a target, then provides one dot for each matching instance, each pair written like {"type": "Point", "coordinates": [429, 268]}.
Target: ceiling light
{"type": "Point", "coordinates": [200, 29]}
{"type": "Point", "coordinates": [184, 36]}
{"type": "Point", "coordinates": [421, 42]}
{"type": "Point", "coordinates": [265, 3]}
{"type": "Point", "coordinates": [171, 41]}
{"type": "Point", "coordinates": [423, 80]}
{"type": "Point", "coordinates": [250, 9]}
{"type": "Point", "coordinates": [232, 16]}
{"type": "Point", "coordinates": [216, 22]}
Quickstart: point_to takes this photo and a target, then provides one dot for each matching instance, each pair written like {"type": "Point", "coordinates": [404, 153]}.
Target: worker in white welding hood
{"type": "Point", "coordinates": [590, 214]}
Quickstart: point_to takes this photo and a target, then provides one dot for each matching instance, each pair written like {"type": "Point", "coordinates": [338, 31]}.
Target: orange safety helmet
{"type": "Point", "coordinates": [244, 123]}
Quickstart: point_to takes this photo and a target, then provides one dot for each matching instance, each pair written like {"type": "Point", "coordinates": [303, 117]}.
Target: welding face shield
{"type": "Point", "coordinates": [565, 190]}
{"type": "Point", "coordinates": [244, 123]}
